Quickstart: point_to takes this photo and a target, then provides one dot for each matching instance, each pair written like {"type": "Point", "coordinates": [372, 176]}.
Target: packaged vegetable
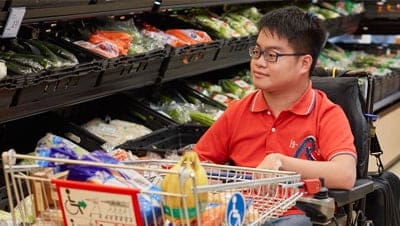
{"type": "Point", "coordinates": [190, 36]}
{"type": "Point", "coordinates": [53, 141]}
{"type": "Point", "coordinates": [103, 48]}
{"type": "Point", "coordinates": [121, 39]}
{"type": "Point", "coordinates": [115, 131]}
{"type": "Point", "coordinates": [149, 202]}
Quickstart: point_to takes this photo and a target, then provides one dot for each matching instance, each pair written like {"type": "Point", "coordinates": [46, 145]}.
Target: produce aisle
{"type": "Point", "coordinates": [130, 79]}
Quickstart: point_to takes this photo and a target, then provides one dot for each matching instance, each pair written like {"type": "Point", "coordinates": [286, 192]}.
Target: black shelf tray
{"type": "Point", "coordinates": [134, 71]}
{"type": "Point", "coordinates": [6, 97]}
{"type": "Point", "coordinates": [166, 139]}
{"type": "Point", "coordinates": [235, 51]}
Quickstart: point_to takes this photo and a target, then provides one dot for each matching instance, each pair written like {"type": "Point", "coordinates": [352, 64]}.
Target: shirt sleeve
{"type": "Point", "coordinates": [336, 137]}
{"type": "Point", "coordinates": [214, 144]}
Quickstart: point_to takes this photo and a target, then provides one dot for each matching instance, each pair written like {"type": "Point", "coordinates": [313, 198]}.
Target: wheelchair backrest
{"type": "Point", "coordinates": [345, 92]}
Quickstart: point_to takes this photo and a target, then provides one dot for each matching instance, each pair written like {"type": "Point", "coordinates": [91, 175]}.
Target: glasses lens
{"type": "Point", "coordinates": [254, 52]}
{"type": "Point", "coordinates": [270, 56]}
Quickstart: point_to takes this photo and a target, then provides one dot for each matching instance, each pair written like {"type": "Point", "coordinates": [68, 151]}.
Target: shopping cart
{"type": "Point", "coordinates": [236, 195]}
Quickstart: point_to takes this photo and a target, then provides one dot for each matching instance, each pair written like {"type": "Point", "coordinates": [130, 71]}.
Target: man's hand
{"type": "Point", "coordinates": [272, 162]}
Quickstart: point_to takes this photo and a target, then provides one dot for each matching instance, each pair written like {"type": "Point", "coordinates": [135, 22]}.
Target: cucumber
{"type": "Point", "coordinates": [32, 49]}
{"type": "Point", "coordinates": [231, 87]}
{"type": "Point", "coordinates": [36, 62]}
{"type": "Point", "coordinates": [46, 52]}
{"type": "Point", "coordinates": [15, 46]}
{"type": "Point", "coordinates": [202, 118]}
{"type": "Point", "coordinates": [40, 59]}
{"type": "Point", "coordinates": [13, 68]}
{"type": "Point", "coordinates": [34, 65]}
{"type": "Point", "coordinates": [61, 52]}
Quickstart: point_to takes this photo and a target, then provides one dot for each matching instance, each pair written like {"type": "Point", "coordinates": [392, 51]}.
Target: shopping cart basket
{"type": "Point", "coordinates": [236, 195]}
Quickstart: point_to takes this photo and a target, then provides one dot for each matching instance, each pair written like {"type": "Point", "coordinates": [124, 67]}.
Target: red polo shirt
{"type": "Point", "coordinates": [247, 131]}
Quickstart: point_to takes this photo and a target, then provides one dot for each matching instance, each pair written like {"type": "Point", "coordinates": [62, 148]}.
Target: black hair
{"type": "Point", "coordinates": [302, 30]}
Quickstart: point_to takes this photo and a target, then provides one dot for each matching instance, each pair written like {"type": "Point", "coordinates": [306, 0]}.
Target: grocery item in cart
{"type": "Point", "coordinates": [227, 187]}
{"type": "Point", "coordinates": [190, 165]}
{"type": "Point", "coordinates": [53, 141]}
{"type": "Point", "coordinates": [149, 203]}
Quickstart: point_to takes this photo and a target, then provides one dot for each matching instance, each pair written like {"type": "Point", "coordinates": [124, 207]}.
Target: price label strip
{"type": "Point", "coordinates": [14, 21]}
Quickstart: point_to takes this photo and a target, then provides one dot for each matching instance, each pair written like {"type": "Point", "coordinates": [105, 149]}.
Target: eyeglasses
{"type": "Point", "coordinates": [270, 56]}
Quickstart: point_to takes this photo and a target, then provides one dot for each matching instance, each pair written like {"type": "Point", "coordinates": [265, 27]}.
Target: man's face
{"type": "Point", "coordinates": [279, 75]}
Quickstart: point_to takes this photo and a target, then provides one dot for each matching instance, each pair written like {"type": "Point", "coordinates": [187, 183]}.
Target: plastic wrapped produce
{"type": "Point", "coordinates": [115, 131]}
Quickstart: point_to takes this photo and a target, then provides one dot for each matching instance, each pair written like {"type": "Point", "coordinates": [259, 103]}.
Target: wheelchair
{"type": "Point", "coordinates": [346, 207]}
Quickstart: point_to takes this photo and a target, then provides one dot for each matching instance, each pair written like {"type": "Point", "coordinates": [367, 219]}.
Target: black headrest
{"type": "Point", "coordinates": [345, 92]}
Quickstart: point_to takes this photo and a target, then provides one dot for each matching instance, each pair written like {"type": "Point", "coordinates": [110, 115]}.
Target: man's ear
{"type": "Point", "coordinates": [306, 62]}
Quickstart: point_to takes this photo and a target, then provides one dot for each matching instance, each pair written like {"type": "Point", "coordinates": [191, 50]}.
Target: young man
{"type": "Point", "coordinates": [285, 124]}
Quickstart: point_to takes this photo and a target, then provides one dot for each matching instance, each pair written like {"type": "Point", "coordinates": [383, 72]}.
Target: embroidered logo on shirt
{"type": "Point", "coordinates": [307, 147]}
{"type": "Point", "coordinates": [292, 143]}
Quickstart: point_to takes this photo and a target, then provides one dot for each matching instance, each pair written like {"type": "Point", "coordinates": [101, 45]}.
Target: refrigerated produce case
{"type": "Point", "coordinates": [82, 92]}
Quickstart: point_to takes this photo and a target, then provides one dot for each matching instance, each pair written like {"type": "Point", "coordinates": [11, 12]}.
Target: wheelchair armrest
{"type": "Point", "coordinates": [361, 188]}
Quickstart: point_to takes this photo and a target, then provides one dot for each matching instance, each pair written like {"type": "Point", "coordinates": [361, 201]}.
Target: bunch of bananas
{"type": "Point", "coordinates": [191, 173]}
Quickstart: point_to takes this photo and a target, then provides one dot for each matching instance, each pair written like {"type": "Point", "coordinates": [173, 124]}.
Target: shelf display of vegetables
{"type": "Point", "coordinates": [336, 57]}
{"type": "Point", "coordinates": [176, 37]}
{"type": "Point", "coordinates": [226, 90]}
{"type": "Point", "coordinates": [28, 56]}
{"type": "Point", "coordinates": [183, 108]}
{"type": "Point", "coordinates": [232, 24]}
{"type": "Point", "coordinates": [110, 37]}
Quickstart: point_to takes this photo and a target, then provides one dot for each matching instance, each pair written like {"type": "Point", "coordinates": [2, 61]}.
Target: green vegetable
{"type": "Point", "coordinates": [40, 59]}
{"type": "Point", "coordinates": [35, 62]}
{"type": "Point", "coordinates": [237, 26]}
{"type": "Point", "coordinates": [219, 27]}
{"type": "Point", "coordinates": [179, 115]}
{"type": "Point", "coordinates": [55, 60]}
{"type": "Point", "coordinates": [202, 118]}
{"type": "Point", "coordinates": [18, 47]}
{"type": "Point", "coordinates": [18, 69]}
{"type": "Point", "coordinates": [245, 23]}
{"type": "Point", "coordinates": [61, 52]}
{"type": "Point", "coordinates": [231, 87]}
{"type": "Point", "coordinates": [251, 13]}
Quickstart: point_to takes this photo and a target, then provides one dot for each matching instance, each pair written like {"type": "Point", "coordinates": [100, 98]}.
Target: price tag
{"type": "Point", "coordinates": [14, 20]}
{"type": "Point", "coordinates": [242, 84]}
{"type": "Point", "coordinates": [220, 98]}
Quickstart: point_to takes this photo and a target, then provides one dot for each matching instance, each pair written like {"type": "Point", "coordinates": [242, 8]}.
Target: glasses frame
{"type": "Point", "coordinates": [277, 55]}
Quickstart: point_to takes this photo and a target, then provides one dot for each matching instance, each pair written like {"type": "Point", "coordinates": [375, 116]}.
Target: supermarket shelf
{"type": "Point", "coordinates": [52, 10]}
{"type": "Point", "coordinates": [379, 26]}
{"type": "Point", "coordinates": [115, 76]}
{"type": "Point", "coordinates": [172, 4]}
{"type": "Point", "coordinates": [386, 101]}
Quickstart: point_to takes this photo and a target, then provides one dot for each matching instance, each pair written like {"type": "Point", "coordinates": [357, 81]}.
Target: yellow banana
{"type": "Point", "coordinates": [190, 171]}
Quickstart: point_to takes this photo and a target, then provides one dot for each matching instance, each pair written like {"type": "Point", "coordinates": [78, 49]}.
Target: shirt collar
{"type": "Point", "coordinates": [303, 106]}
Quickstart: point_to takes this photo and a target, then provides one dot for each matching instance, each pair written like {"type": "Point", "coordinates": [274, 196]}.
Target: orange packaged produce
{"type": "Point", "coordinates": [190, 36]}
{"type": "Point", "coordinates": [121, 39]}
